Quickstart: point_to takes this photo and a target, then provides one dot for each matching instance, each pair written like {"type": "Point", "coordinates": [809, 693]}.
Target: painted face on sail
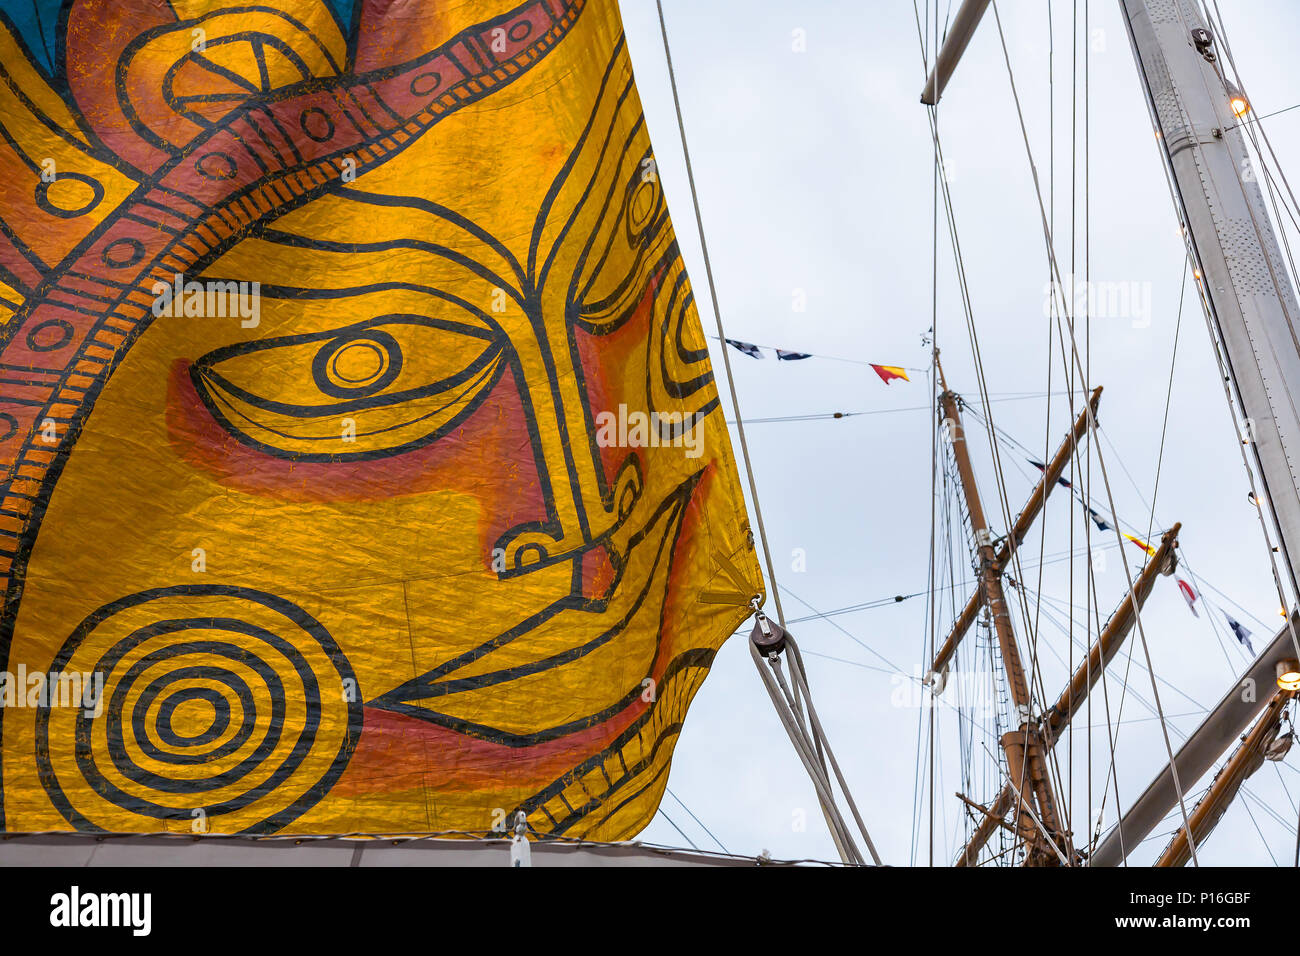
{"type": "Point", "coordinates": [385, 518]}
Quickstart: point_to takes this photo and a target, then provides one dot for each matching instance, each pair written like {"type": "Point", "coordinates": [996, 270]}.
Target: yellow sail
{"type": "Point", "coordinates": [364, 466]}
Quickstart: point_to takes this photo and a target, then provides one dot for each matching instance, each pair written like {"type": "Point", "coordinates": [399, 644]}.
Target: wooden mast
{"type": "Point", "coordinates": [1058, 717]}
{"type": "Point", "coordinates": [1087, 674]}
{"type": "Point", "coordinates": [1249, 298]}
{"type": "Point", "coordinates": [1039, 819]}
{"type": "Point", "coordinates": [1037, 498]}
{"type": "Point", "coordinates": [1245, 760]}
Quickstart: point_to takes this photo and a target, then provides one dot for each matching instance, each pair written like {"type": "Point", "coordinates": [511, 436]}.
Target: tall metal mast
{"type": "Point", "coordinates": [1242, 273]}
{"type": "Point", "coordinates": [1253, 310]}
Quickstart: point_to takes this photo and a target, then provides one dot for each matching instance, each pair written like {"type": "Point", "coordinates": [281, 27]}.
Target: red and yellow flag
{"type": "Point", "coordinates": [888, 373]}
{"type": "Point", "coordinates": [1140, 544]}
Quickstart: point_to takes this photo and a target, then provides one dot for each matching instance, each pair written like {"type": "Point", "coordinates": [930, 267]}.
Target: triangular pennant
{"type": "Point", "coordinates": [1240, 631]}
{"type": "Point", "coordinates": [749, 349]}
{"type": "Point", "coordinates": [888, 373]}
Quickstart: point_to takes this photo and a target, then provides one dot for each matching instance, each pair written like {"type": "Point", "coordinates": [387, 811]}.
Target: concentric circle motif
{"type": "Point", "coordinates": [357, 365]}
{"type": "Point", "coordinates": [643, 203]}
{"type": "Point", "coordinates": [220, 704]}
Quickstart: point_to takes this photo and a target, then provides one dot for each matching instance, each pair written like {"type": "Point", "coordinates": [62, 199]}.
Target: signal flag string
{"type": "Point", "coordinates": [886, 372]}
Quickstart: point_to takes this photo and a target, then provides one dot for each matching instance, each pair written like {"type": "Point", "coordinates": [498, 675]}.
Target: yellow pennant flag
{"type": "Point", "coordinates": [1140, 543]}
{"type": "Point", "coordinates": [364, 466]}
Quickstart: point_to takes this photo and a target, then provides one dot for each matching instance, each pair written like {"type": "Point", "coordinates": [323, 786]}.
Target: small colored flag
{"type": "Point", "coordinates": [1100, 523]}
{"type": "Point", "coordinates": [752, 351]}
{"type": "Point", "coordinates": [888, 373]}
{"type": "Point", "coordinates": [1141, 544]}
{"type": "Point", "coordinates": [1243, 635]}
{"type": "Point", "coordinates": [783, 356]}
{"type": "Point", "coordinates": [1189, 596]}
{"type": "Point", "coordinates": [1043, 468]}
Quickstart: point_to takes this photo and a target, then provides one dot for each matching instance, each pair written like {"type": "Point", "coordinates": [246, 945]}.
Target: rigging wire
{"type": "Point", "coordinates": [677, 828]}
{"type": "Point", "coordinates": [973, 336]}
{"type": "Point", "coordinates": [816, 416]}
{"type": "Point", "coordinates": [1150, 506]}
{"type": "Point", "coordinates": [1251, 118]}
{"type": "Point", "coordinates": [1200, 709]}
{"type": "Point", "coordinates": [927, 645]}
{"type": "Point", "coordinates": [799, 734]}
{"type": "Point", "coordinates": [696, 819]}
{"type": "Point", "coordinates": [1035, 683]}
{"type": "Point", "coordinates": [717, 313]}
{"type": "Point", "coordinates": [818, 614]}
{"type": "Point", "coordinates": [1091, 589]}
{"type": "Point", "coordinates": [1076, 362]}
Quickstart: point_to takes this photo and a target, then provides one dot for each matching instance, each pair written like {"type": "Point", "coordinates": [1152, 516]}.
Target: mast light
{"type": "Point", "coordinates": [1288, 674]}
{"type": "Point", "coordinates": [1237, 100]}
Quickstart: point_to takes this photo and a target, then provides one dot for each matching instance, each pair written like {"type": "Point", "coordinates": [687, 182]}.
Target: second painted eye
{"type": "Point", "coordinates": [369, 390]}
{"type": "Point", "coordinates": [358, 364]}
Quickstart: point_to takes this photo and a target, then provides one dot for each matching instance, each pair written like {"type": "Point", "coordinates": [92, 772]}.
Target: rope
{"type": "Point", "coordinates": [812, 748]}
{"type": "Point", "coordinates": [800, 674]}
{"type": "Point", "coordinates": [931, 609]}
{"type": "Point", "coordinates": [717, 316]}
{"type": "Point", "coordinates": [1092, 422]}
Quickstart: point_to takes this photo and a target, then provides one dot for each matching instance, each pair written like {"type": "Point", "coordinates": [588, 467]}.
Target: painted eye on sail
{"type": "Point", "coordinates": [369, 390]}
{"type": "Point", "coordinates": [643, 210]}
{"type": "Point", "coordinates": [637, 227]}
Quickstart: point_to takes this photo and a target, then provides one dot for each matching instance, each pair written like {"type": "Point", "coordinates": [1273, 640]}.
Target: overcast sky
{"type": "Point", "coordinates": [814, 172]}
